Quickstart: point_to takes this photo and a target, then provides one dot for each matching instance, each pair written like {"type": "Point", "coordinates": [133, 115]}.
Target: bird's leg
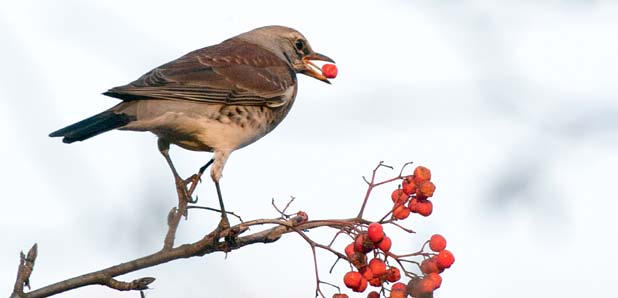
{"type": "Point", "coordinates": [224, 223]}
{"type": "Point", "coordinates": [164, 148]}
{"type": "Point", "coordinates": [195, 178]}
{"type": "Point", "coordinates": [220, 157]}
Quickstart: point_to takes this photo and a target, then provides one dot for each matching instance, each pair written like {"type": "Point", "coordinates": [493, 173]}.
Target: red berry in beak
{"type": "Point", "coordinates": [329, 71]}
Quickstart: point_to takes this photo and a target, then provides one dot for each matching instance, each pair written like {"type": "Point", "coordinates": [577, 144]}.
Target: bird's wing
{"type": "Point", "coordinates": [233, 72]}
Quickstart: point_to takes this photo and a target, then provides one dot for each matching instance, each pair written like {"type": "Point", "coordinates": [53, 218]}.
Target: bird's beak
{"type": "Point", "coordinates": [313, 70]}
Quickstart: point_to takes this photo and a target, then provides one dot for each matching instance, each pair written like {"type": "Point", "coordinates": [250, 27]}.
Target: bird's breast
{"type": "Point", "coordinates": [206, 127]}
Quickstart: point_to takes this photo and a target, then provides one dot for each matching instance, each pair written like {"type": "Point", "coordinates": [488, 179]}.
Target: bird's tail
{"type": "Point", "coordinates": [93, 126]}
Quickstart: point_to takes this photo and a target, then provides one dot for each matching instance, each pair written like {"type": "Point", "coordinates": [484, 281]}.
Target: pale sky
{"type": "Point", "coordinates": [512, 104]}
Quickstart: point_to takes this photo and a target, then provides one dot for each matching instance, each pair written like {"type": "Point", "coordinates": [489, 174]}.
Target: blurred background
{"type": "Point", "coordinates": [512, 104]}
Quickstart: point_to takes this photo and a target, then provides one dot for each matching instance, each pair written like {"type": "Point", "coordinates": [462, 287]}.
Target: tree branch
{"type": "Point", "coordinates": [206, 245]}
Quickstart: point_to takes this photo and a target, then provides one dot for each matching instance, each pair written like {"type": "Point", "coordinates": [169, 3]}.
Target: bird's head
{"type": "Point", "coordinates": [289, 45]}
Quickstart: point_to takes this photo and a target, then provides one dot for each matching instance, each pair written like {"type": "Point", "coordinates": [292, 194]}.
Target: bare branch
{"type": "Point", "coordinates": [208, 244]}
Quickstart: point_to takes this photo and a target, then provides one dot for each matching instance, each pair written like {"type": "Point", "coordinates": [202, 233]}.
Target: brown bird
{"type": "Point", "coordinates": [215, 99]}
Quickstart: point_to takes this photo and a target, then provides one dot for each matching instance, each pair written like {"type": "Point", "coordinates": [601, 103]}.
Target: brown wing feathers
{"type": "Point", "coordinates": [259, 77]}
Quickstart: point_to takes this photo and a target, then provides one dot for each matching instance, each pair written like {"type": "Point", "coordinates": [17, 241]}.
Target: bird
{"type": "Point", "coordinates": [215, 99]}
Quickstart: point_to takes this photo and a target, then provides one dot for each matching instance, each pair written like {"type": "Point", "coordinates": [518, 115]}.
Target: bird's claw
{"type": "Point", "coordinates": [229, 235]}
{"type": "Point", "coordinates": [192, 182]}
{"type": "Point", "coordinates": [181, 185]}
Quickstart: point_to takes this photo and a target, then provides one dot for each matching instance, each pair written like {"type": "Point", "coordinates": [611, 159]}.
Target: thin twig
{"type": "Point", "coordinates": [403, 167]}
{"type": "Point", "coordinates": [215, 210]}
{"type": "Point", "coordinates": [282, 212]}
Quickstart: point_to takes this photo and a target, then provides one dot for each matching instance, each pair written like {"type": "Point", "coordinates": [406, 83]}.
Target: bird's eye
{"type": "Point", "coordinates": [300, 44]}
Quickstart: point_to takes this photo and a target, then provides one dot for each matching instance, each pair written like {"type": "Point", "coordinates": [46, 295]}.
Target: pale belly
{"type": "Point", "coordinates": [201, 127]}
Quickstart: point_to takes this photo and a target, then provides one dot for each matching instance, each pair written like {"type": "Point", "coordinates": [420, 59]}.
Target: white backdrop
{"type": "Point", "coordinates": [512, 104]}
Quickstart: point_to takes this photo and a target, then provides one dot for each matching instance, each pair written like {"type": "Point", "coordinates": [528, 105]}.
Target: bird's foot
{"type": "Point", "coordinates": [192, 182]}
{"type": "Point", "coordinates": [230, 235]}
{"type": "Point", "coordinates": [224, 223]}
{"type": "Point", "coordinates": [181, 187]}
{"type": "Point", "coordinates": [196, 178]}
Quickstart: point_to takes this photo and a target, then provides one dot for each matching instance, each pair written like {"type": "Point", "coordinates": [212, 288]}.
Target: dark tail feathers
{"type": "Point", "coordinates": [92, 126]}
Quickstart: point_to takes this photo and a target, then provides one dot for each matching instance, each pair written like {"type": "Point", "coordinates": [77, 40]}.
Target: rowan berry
{"type": "Point", "coordinates": [375, 231]}
{"type": "Point", "coordinates": [385, 244]}
{"type": "Point", "coordinates": [363, 244]}
{"type": "Point", "coordinates": [376, 281]}
{"type": "Point", "coordinates": [425, 286]}
{"type": "Point", "coordinates": [437, 279]}
{"type": "Point", "coordinates": [413, 205]}
{"type": "Point", "coordinates": [437, 243]}
{"type": "Point", "coordinates": [349, 250]}
{"type": "Point", "coordinates": [398, 196]}
{"type": "Point", "coordinates": [424, 207]}
{"type": "Point", "coordinates": [398, 290]}
{"type": "Point", "coordinates": [429, 266]}
{"type": "Point", "coordinates": [366, 272]}
{"type": "Point", "coordinates": [329, 70]}
{"type": "Point", "coordinates": [393, 274]}
{"type": "Point", "coordinates": [362, 287]}
{"type": "Point", "coordinates": [445, 259]}
{"type": "Point", "coordinates": [352, 279]}
{"type": "Point", "coordinates": [401, 212]}
{"type": "Point", "coordinates": [425, 189]}
{"type": "Point", "coordinates": [422, 174]}
{"type": "Point", "coordinates": [378, 267]}
{"type": "Point", "coordinates": [408, 186]}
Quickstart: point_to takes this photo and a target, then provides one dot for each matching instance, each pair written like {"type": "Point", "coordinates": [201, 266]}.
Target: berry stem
{"type": "Point", "coordinates": [372, 184]}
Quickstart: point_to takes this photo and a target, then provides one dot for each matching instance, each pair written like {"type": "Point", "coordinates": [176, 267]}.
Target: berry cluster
{"type": "Point", "coordinates": [415, 191]}
{"type": "Point", "coordinates": [375, 272]}
{"type": "Point", "coordinates": [432, 267]}
{"type": "Point", "coordinates": [370, 253]}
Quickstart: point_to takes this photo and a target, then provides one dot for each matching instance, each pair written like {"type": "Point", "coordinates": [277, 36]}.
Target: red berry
{"type": "Point", "coordinates": [429, 266]}
{"type": "Point", "coordinates": [425, 189]}
{"type": "Point", "coordinates": [362, 287]}
{"type": "Point", "coordinates": [437, 279]}
{"type": "Point", "coordinates": [398, 290]}
{"type": "Point", "coordinates": [401, 212]}
{"type": "Point", "coordinates": [363, 244]}
{"type": "Point", "coordinates": [376, 282]}
{"type": "Point", "coordinates": [341, 295]}
{"type": "Point", "coordinates": [352, 279]}
{"type": "Point", "coordinates": [366, 273]}
{"type": "Point", "coordinates": [422, 174]}
{"type": "Point", "coordinates": [437, 243]}
{"type": "Point", "coordinates": [349, 250]}
{"type": "Point", "coordinates": [398, 196]}
{"type": "Point", "coordinates": [425, 286]}
{"type": "Point", "coordinates": [413, 205]}
{"type": "Point", "coordinates": [329, 70]}
{"type": "Point", "coordinates": [408, 185]}
{"type": "Point", "coordinates": [304, 215]}
{"type": "Point", "coordinates": [378, 267]}
{"type": "Point", "coordinates": [373, 294]}
{"type": "Point", "coordinates": [412, 286]}
{"type": "Point", "coordinates": [393, 274]}
{"type": "Point", "coordinates": [424, 207]}
{"type": "Point", "coordinates": [445, 259]}
{"type": "Point", "coordinates": [385, 244]}
{"type": "Point", "coordinates": [375, 232]}
{"type": "Point", "coordinates": [398, 286]}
